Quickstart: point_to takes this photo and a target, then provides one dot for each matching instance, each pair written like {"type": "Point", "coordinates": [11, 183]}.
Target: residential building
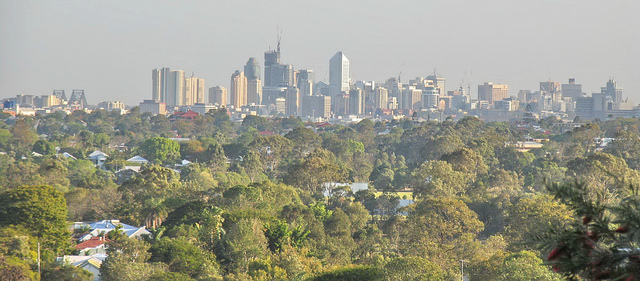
{"type": "Point", "coordinates": [167, 86]}
{"type": "Point", "coordinates": [153, 106]}
{"type": "Point", "coordinates": [218, 95]}
{"type": "Point", "coordinates": [254, 91]}
{"type": "Point", "coordinates": [193, 90]}
{"type": "Point", "coordinates": [238, 90]}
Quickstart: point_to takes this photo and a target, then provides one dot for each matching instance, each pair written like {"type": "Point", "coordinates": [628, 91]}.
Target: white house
{"type": "Point", "coordinates": [98, 158]}
{"type": "Point", "coordinates": [88, 263]}
{"type": "Point", "coordinates": [103, 227]}
{"type": "Point", "coordinates": [138, 160]}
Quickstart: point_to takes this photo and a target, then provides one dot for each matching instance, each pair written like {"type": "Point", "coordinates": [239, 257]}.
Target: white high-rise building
{"type": "Point", "coordinates": [339, 74]}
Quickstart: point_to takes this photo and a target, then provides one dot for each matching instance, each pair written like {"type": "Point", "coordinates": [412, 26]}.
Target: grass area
{"type": "Point", "coordinates": [402, 194]}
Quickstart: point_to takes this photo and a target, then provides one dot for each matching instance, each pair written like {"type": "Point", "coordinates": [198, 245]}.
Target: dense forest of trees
{"type": "Point", "coordinates": [255, 203]}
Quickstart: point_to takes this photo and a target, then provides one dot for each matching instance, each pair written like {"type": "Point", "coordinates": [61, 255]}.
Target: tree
{"type": "Point", "coordinates": [14, 269]}
{"type": "Point", "coordinates": [438, 178]}
{"type": "Point", "coordinates": [412, 269]}
{"type": "Point", "coordinates": [160, 150]}
{"type": "Point", "coordinates": [67, 273]}
{"type": "Point", "coordinates": [42, 210]}
{"type": "Point", "coordinates": [314, 170]}
{"type": "Point", "coordinates": [442, 229]}
{"type": "Point", "coordinates": [184, 257]}
{"type": "Point", "coordinates": [600, 242]}
{"type": "Point", "coordinates": [272, 150]}
{"type": "Point", "coordinates": [304, 141]}
{"type": "Point", "coordinates": [244, 243]}
{"type": "Point", "coordinates": [44, 147]}
{"type": "Point", "coordinates": [349, 273]}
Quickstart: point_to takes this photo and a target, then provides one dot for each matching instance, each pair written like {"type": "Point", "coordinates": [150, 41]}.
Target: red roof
{"type": "Point", "coordinates": [266, 133]}
{"type": "Point", "coordinates": [189, 114]}
{"type": "Point", "coordinates": [91, 243]}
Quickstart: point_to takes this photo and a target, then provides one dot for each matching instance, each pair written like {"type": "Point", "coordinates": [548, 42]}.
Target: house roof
{"type": "Point", "coordinates": [97, 153]}
{"type": "Point", "coordinates": [137, 159]}
{"type": "Point", "coordinates": [93, 242]}
{"type": "Point", "coordinates": [106, 226]}
{"type": "Point", "coordinates": [68, 155]}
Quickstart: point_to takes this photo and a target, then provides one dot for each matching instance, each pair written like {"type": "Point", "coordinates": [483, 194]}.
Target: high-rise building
{"type": "Point", "coordinates": [612, 91]}
{"type": "Point", "coordinates": [306, 78]}
{"type": "Point", "coordinates": [356, 102]}
{"type": "Point", "coordinates": [550, 87]}
{"type": "Point", "coordinates": [316, 106]}
{"type": "Point", "coordinates": [439, 82]}
{"type": "Point", "coordinates": [193, 90]}
{"type": "Point", "coordinates": [572, 90]}
{"type": "Point", "coordinates": [339, 74]}
{"type": "Point", "coordinates": [153, 106]}
{"type": "Point", "coordinates": [381, 99]}
{"type": "Point", "coordinates": [168, 86]}
{"type": "Point", "coordinates": [492, 92]}
{"type": "Point", "coordinates": [411, 98]}
{"type": "Point", "coordinates": [340, 104]}
{"type": "Point", "coordinates": [254, 91]}
{"type": "Point", "coordinates": [430, 97]}
{"type": "Point", "coordinates": [277, 74]}
{"type": "Point", "coordinates": [293, 102]}
{"type": "Point", "coordinates": [238, 89]}
{"type": "Point", "coordinates": [218, 95]}
{"type": "Point", "coordinates": [252, 69]}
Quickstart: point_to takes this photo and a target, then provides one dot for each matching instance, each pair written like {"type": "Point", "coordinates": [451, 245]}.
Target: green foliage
{"type": "Point", "coordinates": [41, 210]}
{"type": "Point", "coordinates": [414, 269]}
{"type": "Point", "coordinates": [160, 150]}
{"type": "Point", "coordinates": [184, 257]}
{"type": "Point", "coordinates": [67, 273]}
{"type": "Point", "coordinates": [352, 273]}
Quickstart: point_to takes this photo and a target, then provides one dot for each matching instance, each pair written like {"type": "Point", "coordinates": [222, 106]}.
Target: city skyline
{"type": "Point", "coordinates": [107, 49]}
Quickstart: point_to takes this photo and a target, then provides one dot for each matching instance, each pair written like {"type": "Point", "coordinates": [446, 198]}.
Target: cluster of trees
{"type": "Point", "coordinates": [262, 200]}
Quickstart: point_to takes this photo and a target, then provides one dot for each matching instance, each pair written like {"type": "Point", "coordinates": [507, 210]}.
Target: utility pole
{"type": "Point", "coordinates": [462, 270]}
{"type": "Point", "coordinates": [39, 261]}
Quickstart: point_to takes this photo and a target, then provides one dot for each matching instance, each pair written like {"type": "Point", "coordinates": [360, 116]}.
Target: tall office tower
{"type": "Point", "coordinates": [252, 69]}
{"type": "Point", "coordinates": [492, 92]}
{"type": "Point", "coordinates": [550, 87]}
{"type": "Point", "coordinates": [168, 86]}
{"type": "Point", "coordinates": [411, 98]}
{"type": "Point", "coordinates": [238, 90]}
{"type": "Point", "coordinates": [316, 106]}
{"type": "Point", "coordinates": [439, 82]}
{"type": "Point", "coordinates": [77, 97]}
{"type": "Point", "coordinates": [254, 91]}
{"type": "Point", "coordinates": [277, 74]}
{"type": "Point", "coordinates": [572, 90]}
{"type": "Point", "coordinates": [394, 87]}
{"type": "Point", "coordinates": [218, 95]}
{"type": "Point", "coordinates": [306, 78]}
{"type": "Point", "coordinates": [292, 102]}
{"type": "Point", "coordinates": [193, 90]}
{"type": "Point", "coordinates": [356, 101]}
{"type": "Point", "coordinates": [612, 91]}
{"type": "Point", "coordinates": [156, 84]}
{"type": "Point", "coordinates": [430, 97]}
{"type": "Point", "coordinates": [321, 88]}
{"type": "Point", "coordinates": [339, 74]}
{"type": "Point", "coordinates": [340, 104]}
{"type": "Point", "coordinates": [381, 99]}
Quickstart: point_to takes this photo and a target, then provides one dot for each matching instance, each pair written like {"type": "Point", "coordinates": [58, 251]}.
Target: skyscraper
{"type": "Point", "coordinates": [277, 74]}
{"type": "Point", "coordinates": [438, 82]}
{"type": "Point", "coordinates": [193, 90]}
{"type": "Point", "coordinates": [381, 98]}
{"type": "Point", "coordinates": [168, 86]}
{"type": "Point", "coordinates": [339, 74]}
{"type": "Point", "coordinates": [218, 95]}
{"type": "Point", "coordinates": [612, 91]}
{"type": "Point", "coordinates": [252, 69]}
{"type": "Point", "coordinates": [293, 102]}
{"type": "Point", "coordinates": [492, 92]}
{"type": "Point", "coordinates": [572, 90]}
{"type": "Point", "coordinates": [306, 79]}
{"type": "Point", "coordinates": [254, 91]}
{"type": "Point", "coordinates": [238, 90]}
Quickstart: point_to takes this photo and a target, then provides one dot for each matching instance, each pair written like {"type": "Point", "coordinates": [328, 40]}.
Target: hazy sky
{"type": "Point", "coordinates": [108, 48]}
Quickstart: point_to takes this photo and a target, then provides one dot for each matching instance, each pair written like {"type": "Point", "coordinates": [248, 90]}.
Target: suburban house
{"type": "Point", "coordinates": [95, 245]}
{"type": "Point", "coordinates": [138, 160]}
{"type": "Point", "coordinates": [88, 263]}
{"type": "Point", "coordinates": [98, 158]}
{"type": "Point", "coordinates": [101, 228]}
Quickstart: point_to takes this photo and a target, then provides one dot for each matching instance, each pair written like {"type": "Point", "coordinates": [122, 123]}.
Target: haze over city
{"type": "Point", "coordinates": [109, 48]}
